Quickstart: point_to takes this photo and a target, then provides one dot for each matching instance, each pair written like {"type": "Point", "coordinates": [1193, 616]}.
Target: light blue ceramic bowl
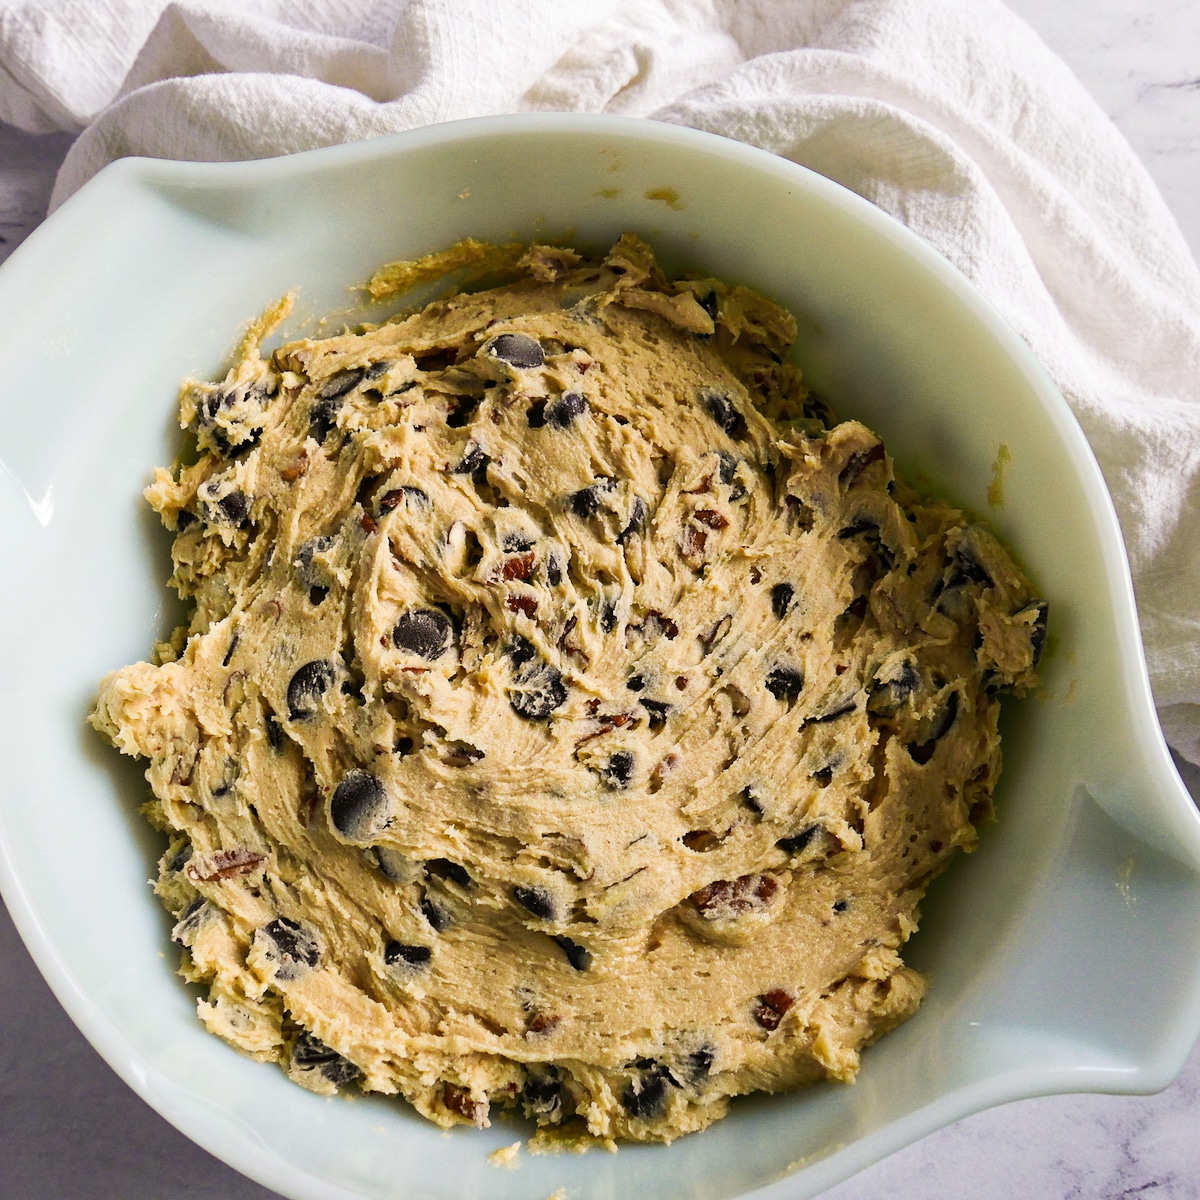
{"type": "Point", "coordinates": [1064, 955]}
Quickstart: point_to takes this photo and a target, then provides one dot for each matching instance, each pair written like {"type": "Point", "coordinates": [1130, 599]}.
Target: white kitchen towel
{"type": "Point", "coordinates": [949, 114]}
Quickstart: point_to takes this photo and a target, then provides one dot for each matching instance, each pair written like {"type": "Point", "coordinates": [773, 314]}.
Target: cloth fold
{"type": "Point", "coordinates": [951, 115]}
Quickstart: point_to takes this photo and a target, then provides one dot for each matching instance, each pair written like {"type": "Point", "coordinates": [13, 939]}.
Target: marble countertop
{"type": "Point", "coordinates": [71, 1130]}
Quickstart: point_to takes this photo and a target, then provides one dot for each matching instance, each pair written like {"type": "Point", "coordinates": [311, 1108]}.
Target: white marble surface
{"type": "Point", "coordinates": [70, 1130]}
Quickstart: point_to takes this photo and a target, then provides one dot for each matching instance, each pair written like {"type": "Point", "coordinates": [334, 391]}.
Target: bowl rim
{"type": "Point", "coordinates": [272, 1170]}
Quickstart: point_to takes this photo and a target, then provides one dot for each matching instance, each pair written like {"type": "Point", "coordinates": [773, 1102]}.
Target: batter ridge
{"type": "Point", "coordinates": [571, 713]}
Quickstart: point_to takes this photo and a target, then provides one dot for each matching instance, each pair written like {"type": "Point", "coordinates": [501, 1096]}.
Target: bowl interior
{"type": "Point", "coordinates": [1063, 955]}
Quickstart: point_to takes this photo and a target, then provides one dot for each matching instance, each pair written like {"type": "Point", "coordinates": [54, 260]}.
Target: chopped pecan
{"type": "Point", "coordinates": [517, 566]}
{"type": "Point", "coordinates": [523, 604]}
{"type": "Point", "coordinates": [725, 899]}
{"type": "Point", "coordinates": [459, 1100]}
{"type": "Point", "coordinates": [224, 864]}
{"type": "Point", "coordinates": [711, 518]}
{"type": "Point", "coordinates": [769, 1008]}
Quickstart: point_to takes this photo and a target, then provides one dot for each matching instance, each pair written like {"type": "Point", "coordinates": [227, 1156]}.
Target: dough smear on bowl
{"type": "Point", "coordinates": [571, 714]}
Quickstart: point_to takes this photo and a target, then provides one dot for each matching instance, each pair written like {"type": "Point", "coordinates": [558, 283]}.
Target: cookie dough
{"type": "Point", "coordinates": [571, 714]}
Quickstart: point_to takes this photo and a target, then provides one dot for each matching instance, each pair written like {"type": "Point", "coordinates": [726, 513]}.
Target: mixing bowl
{"type": "Point", "coordinates": [1063, 956]}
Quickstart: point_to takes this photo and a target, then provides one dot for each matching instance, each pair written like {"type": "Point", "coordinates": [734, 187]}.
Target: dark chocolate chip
{"type": "Point", "coordinates": [562, 412]}
{"type": "Point", "coordinates": [635, 683]}
{"type": "Point", "coordinates": [840, 906]}
{"type": "Point", "coordinates": [275, 734]}
{"type": "Point", "coordinates": [398, 954]}
{"type": "Point", "coordinates": [537, 688]}
{"type": "Point", "coordinates": [233, 643]}
{"type": "Point", "coordinates": [306, 688]}
{"type": "Point", "coordinates": [516, 543]}
{"type": "Point", "coordinates": [521, 650]}
{"type": "Point", "coordinates": [727, 468]}
{"type": "Point", "coordinates": [698, 1064]}
{"type": "Point", "coordinates": [184, 520]}
{"type": "Point", "coordinates": [657, 711]}
{"type": "Point", "coordinates": [969, 566]}
{"type": "Point", "coordinates": [608, 615]}
{"type": "Point", "coordinates": [235, 508]}
{"type": "Point", "coordinates": [578, 956]}
{"type": "Point", "coordinates": [922, 752]}
{"type": "Point", "coordinates": [295, 946]}
{"type": "Point", "coordinates": [645, 1095]}
{"type": "Point", "coordinates": [376, 369]}
{"type": "Point", "coordinates": [723, 411]}
{"type": "Point", "coordinates": [310, 1054]}
{"type": "Point", "coordinates": [617, 772]}
{"type": "Point", "coordinates": [516, 349]}
{"type": "Point", "coordinates": [585, 502]}
{"type": "Point", "coordinates": [537, 900]}
{"type": "Point", "coordinates": [799, 841]}
{"type": "Point", "coordinates": [554, 571]}
{"type": "Point", "coordinates": [637, 515]}
{"type": "Point", "coordinates": [357, 802]}
{"type": "Point", "coordinates": [425, 632]}
{"type": "Point", "coordinates": [473, 460]}
{"type": "Point", "coordinates": [785, 683]}
{"type": "Point", "coordinates": [443, 868]}
{"type": "Point", "coordinates": [437, 915]}
{"type": "Point", "coordinates": [781, 599]}
{"type": "Point", "coordinates": [543, 1093]}
{"type": "Point", "coordinates": [311, 575]}
{"type": "Point", "coordinates": [341, 383]}
{"type": "Point", "coordinates": [833, 714]}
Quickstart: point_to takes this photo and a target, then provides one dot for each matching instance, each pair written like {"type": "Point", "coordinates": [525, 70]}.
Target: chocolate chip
{"type": "Point", "coordinates": [585, 502]}
{"type": "Point", "coordinates": [834, 713]}
{"type": "Point", "coordinates": [184, 520]}
{"type": "Point", "coordinates": [357, 803]}
{"type": "Point", "coordinates": [644, 1097]}
{"type": "Point", "coordinates": [657, 712]}
{"type": "Point", "coordinates": [425, 632]}
{"type": "Point", "coordinates": [190, 920]}
{"type": "Point", "coordinates": [521, 650]}
{"type": "Point", "coordinates": [698, 1064]}
{"type": "Point", "coordinates": [233, 643]}
{"type": "Point", "coordinates": [578, 956]}
{"type": "Point", "coordinates": [341, 383]}
{"type": "Point", "coordinates": [517, 349]}
{"type": "Point", "coordinates": [376, 369]}
{"type": "Point", "coordinates": [635, 683]}
{"type": "Point", "coordinates": [537, 688]}
{"type": "Point", "coordinates": [306, 688]}
{"type": "Point", "coordinates": [235, 509]}
{"type": "Point", "coordinates": [617, 772]}
{"type": "Point", "coordinates": [785, 683]}
{"type": "Point", "coordinates": [722, 410]}
{"type": "Point", "coordinates": [886, 697]}
{"type": "Point", "coordinates": [922, 752]}
{"type": "Point", "coordinates": [295, 947]}
{"type": "Point", "coordinates": [969, 566]}
{"type": "Point", "coordinates": [781, 599]}
{"type": "Point", "coordinates": [561, 413]}
{"type": "Point", "coordinates": [608, 615]}
{"type": "Point", "coordinates": [516, 543]}
{"type": "Point", "coordinates": [438, 916]}
{"type": "Point", "coordinates": [443, 868]}
{"type": "Point", "coordinates": [473, 460]}
{"type": "Point", "coordinates": [543, 1093]}
{"type": "Point", "coordinates": [799, 841]}
{"type": "Point", "coordinates": [397, 954]}
{"type": "Point", "coordinates": [537, 900]}
{"type": "Point", "coordinates": [554, 571]}
{"type": "Point", "coordinates": [840, 906]}
{"type": "Point", "coordinates": [310, 574]}
{"type": "Point", "coordinates": [275, 734]}
{"type": "Point", "coordinates": [310, 1054]}
{"type": "Point", "coordinates": [637, 515]}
